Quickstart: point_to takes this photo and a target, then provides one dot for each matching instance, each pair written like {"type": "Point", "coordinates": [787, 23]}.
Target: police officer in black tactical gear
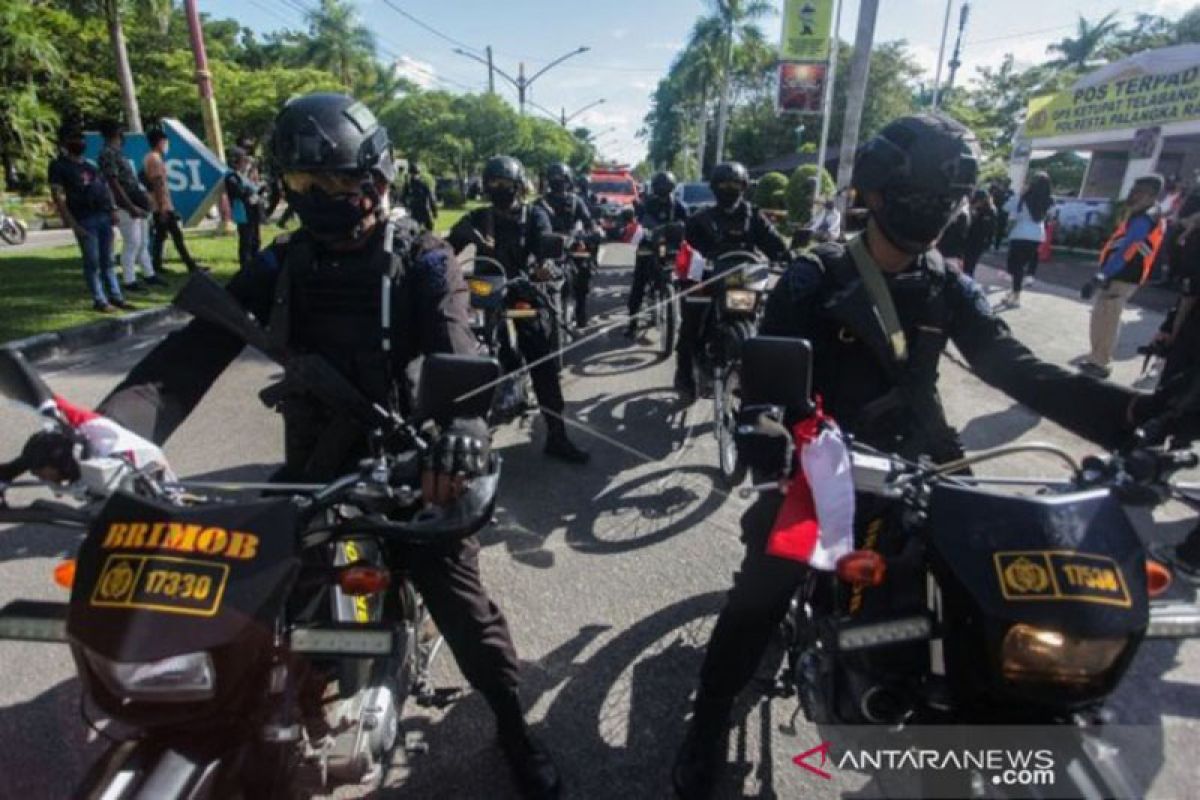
{"type": "Point", "coordinates": [321, 291]}
{"type": "Point", "coordinates": [660, 208]}
{"type": "Point", "coordinates": [732, 224]}
{"type": "Point", "coordinates": [879, 311]}
{"type": "Point", "coordinates": [567, 212]}
{"type": "Point", "coordinates": [510, 230]}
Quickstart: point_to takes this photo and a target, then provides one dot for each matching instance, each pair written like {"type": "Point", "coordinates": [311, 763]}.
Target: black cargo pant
{"type": "Point", "coordinates": [536, 341]}
{"type": "Point", "coordinates": [643, 273]}
{"type": "Point", "coordinates": [692, 310]}
{"type": "Point", "coordinates": [249, 242]}
{"type": "Point", "coordinates": [168, 225]}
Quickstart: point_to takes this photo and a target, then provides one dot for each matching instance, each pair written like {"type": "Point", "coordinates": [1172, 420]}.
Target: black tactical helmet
{"type": "Point", "coordinates": [923, 166]}
{"type": "Point", "coordinates": [729, 172]}
{"type": "Point", "coordinates": [662, 184]}
{"type": "Point", "coordinates": [920, 154]}
{"type": "Point", "coordinates": [503, 167]}
{"type": "Point", "coordinates": [729, 181]}
{"type": "Point", "coordinates": [326, 132]}
{"type": "Point", "coordinates": [559, 177]}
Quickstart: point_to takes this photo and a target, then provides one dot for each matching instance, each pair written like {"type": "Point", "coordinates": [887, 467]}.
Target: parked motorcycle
{"type": "Point", "coordinates": [966, 605]}
{"type": "Point", "coordinates": [12, 230]}
{"type": "Point", "coordinates": [243, 639]}
{"type": "Point", "coordinates": [733, 303]}
{"type": "Point", "coordinates": [495, 314]}
{"type": "Point", "coordinates": [662, 245]}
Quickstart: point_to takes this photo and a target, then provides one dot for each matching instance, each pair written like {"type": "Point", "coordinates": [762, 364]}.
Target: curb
{"type": "Point", "coordinates": [47, 345]}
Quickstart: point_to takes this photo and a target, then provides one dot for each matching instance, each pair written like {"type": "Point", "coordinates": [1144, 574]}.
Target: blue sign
{"type": "Point", "coordinates": [194, 173]}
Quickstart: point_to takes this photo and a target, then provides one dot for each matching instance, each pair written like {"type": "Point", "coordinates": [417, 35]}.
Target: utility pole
{"type": "Point", "coordinates": [208, 103]}
{"type": "Point", "coordinates": [521, 82]}
{"type": "Point", "coordinates": [937, 75]}
{"type": "Point", "coordinates": [522, 85]}
{"type": "Point", "coordinates": [860, 70]}
{"type": "Point", "coordinates": [491, 72]}
{"type": "Point", "coordinates": [827, 102]}
{"type": "Point", "coordinates": [955, 63]}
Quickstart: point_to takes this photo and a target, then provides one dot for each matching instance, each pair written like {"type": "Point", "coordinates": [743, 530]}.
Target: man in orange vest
{"type": "Point", "coordinates": [1125, 264]}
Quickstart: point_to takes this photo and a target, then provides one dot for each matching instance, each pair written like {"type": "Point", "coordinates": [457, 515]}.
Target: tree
{"type": "Point", "coordinates": [772, 191]}
{"type": "Point", "coordinates": [1081, 50]}
{"type": "Point", "coordinates": [739, 20]}
{"type": "Point", "coordinates": [800, 192]}
{"type": "Point", "coordinates": [28, 59]}
{"type": "Point", "coordinates": [337, 42]}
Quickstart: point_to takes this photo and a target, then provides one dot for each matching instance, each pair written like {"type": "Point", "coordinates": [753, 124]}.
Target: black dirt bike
{"type": "Point", "coordinates": [247, 641]}
{"type": "Point", "coordinates": [498, 307]}
{"type": "Point", "coordinates": [661, 246]}
{"type": "Point", "coordinates": [964, 604]}
{"type": "Point", "coordinates": [734, 298]}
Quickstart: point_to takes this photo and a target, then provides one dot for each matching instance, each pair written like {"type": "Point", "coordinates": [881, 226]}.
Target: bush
{"type": "Point", "coordinates": [453, 198]}
{"type": "Point", "coordinates": [772, 191]}
{"type": "Point", "coordinates": [800, 192]}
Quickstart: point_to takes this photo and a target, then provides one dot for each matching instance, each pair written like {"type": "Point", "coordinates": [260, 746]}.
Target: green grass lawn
{"type": "Point", "coordinates": [44, 289]}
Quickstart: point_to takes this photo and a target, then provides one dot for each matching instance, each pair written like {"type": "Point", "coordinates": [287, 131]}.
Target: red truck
{"type": "Point", "coordinates": [611, 190]}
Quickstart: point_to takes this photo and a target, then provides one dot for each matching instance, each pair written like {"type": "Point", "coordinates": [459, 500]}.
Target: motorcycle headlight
{"type": "Point", "coordinates": [740, 300]}
{"type": "Point", "coordinates": [1030, 654]}
{"type": "Point", "coordinates": [479, 288]}
{"type": "Point", "coordinates": [184, 678]}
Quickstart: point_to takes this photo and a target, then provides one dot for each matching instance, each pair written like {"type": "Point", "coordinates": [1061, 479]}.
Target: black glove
{"type": "Point", "coordinates": [460, 453]}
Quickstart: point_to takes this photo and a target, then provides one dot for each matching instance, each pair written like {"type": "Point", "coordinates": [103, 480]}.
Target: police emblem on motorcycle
{"type": "Point", "coordinates": [116, 583]}
{"type": "Point", "coordinates": [1023, 577]}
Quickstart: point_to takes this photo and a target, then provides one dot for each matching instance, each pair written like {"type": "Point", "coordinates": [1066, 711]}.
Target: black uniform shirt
{"type": "Point", "coordinates": [565, 211]}
{"type": "Point", "coordinates": [513, 236]}
{"type": "Point", "coordinates": [848, 373]}
{"type": "Point", "coordinates": [714, 231]}
{"type": "Point", "coordinates": [656, 211]}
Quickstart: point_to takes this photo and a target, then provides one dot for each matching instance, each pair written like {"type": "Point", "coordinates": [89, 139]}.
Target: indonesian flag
{"type": "Point", "coordinates": [689, 265]}
{"type": "Point", "coordinates": [106, 438]}
{"type": "Point", "coordinates": [815, 524]}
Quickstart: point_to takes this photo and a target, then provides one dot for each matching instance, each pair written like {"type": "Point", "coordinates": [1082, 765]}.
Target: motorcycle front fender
{"type": "Point", "coordinates": [148, 769]}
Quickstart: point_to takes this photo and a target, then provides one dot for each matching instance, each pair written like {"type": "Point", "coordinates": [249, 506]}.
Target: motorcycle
{"type": "Point", "coordinates": [580, 266]}
{"type": "Point", "coordinates": [733, 301]}
{"type": "Point", "coordinates": [244, 641]}
{"type": "Point", "coordinates": [662, 245]}
{"type": "Point", "coordinates": [497, 307]}
{"type": "Point", "coordinates": [986, 608]}
{"type": "Point", "coordinates": [12, 230]}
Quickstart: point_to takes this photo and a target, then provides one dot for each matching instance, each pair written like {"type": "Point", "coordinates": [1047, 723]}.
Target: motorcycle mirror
{"type": "Point", "coordinates": [777, 370]}
{"type": "Point", "coordinates": [552, 246]}
{"type": "Point", "coordinates": [456, 386]}
{"type": "Point", "coordinates": [20, 382]}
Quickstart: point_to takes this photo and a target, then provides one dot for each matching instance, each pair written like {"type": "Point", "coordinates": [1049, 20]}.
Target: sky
{"type": "Point", "coordinates": [632, 43]}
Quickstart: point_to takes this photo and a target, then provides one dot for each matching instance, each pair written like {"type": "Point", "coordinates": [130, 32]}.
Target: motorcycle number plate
{"type": "Point", "coordinates": [1061, 575]}
{"type": "Point", "coordinates": [161, 583]}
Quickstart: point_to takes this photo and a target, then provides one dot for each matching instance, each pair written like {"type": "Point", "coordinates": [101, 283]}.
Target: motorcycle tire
{"type": "Point", "coordinates": [12, 231]}
{"type": "Point", "coordinates": [670, 320]}
{"type": "Point", "coordinates": [726, 394]}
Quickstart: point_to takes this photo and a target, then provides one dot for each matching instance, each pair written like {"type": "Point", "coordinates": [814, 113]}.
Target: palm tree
{"type": "Point", "coordinates": [698, 70]}
{"type": "Point", "coordinates": [338, 43]}
{"type": "Point", "coordinates": [1078, 51]}
{"type": "Point", "coordinates": [739, 21]}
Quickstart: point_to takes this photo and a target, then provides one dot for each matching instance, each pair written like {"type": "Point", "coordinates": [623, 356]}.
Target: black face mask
{"type": "Point", "coordinates": [75, 148]}
{"type": "Point", "coordinates": [913, 222]}
{"type": "Point", "coordinates": [503, 198]}
{"type": "Point", "coordinates": [328, 217]}
{"type": "Point", "coordinates": [727, 196]}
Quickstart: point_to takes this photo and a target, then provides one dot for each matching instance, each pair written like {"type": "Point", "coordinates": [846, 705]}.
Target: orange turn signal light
{"type": "Point", "coordinates": [862, 568]}
{"type": "Point", "coordinates": [1158, 578]}
{"type": "Point", "coordinates": [64, 573]}
{"type": "Point", "coordinates": [361, 579]}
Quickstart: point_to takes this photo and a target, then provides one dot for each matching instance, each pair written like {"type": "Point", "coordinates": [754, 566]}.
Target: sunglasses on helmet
{"type": "Point", "coordinates": [332, 183]}
{"type": "Point", "coordinates": [500, 184]}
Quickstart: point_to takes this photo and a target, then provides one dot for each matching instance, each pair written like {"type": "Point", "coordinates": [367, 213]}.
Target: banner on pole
{"type": "Point", "coordinates": [806, 27]}
{"type": "Point", "coordinates": [801, 88]}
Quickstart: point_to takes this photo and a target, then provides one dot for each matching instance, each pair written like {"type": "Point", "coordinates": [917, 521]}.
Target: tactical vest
{"type": "Point", "coordinates": [654, 215]}
{"type": "Point", "coordinates": [561, 210]}
{"type": "Point", "coordinates": [731, 229]}
{"type": "Point", "coordinates": [908, 418]}
{"type": "Point", "coordinates": [1138, 256]}
{"type": "Point", "coordinates": [511, 251]}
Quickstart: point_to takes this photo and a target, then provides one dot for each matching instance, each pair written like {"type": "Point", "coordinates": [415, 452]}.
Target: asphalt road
{"type": "Point", "coordinates": [610, 575]}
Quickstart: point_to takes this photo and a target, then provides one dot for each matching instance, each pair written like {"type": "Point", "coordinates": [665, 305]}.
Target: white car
{"type": "Point", "coordinates": [695, 196]}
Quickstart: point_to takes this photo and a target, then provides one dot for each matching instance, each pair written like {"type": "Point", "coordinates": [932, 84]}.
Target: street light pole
{"type": "Point", "coordinates": [937, 75]}
{"type": "Point", "coordinates": [955, 63]}
{"type": "Point", "coordinates": [520, 82]}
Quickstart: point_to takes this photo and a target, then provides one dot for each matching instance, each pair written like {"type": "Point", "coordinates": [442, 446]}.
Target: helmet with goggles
{"type": "Point", "coordinates": [923, 166]}
{"type": "Point", "coordinates": [503, 180]}
{"type": "Point", "coordinates": [559, 177]}
{"type": "Point", "coordinates": [331, 151]}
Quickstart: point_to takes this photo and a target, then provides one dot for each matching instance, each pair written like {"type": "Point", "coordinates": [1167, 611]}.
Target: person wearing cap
{"type": "Point", "coordinates": [879, 312]}
{"type": "Point", "coordinates": [1126, 262]}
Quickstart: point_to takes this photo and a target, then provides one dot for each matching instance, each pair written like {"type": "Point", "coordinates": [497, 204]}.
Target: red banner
{"type": "Point", "coordinates": [801, 87]}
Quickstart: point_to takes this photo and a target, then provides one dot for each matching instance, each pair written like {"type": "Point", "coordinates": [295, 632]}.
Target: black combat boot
{"type": "Point", "coordinates": [700, 758]}
{"type": "Point", "coordinates": [532, 767]}
{"type": "Point", "coordinates": [560, 447]}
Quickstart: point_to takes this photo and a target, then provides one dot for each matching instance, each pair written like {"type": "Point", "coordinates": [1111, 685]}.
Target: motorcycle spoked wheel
{"type": "Point", "coordinates": [669, 319]}
{"type": "Point", "coordinates": [727, 390]}
{"type": "Point", "coordinates": [12, 230]}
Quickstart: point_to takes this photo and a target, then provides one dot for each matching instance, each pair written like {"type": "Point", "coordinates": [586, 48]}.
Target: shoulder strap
{"type": "Point", "coordinates": [881, 298]}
